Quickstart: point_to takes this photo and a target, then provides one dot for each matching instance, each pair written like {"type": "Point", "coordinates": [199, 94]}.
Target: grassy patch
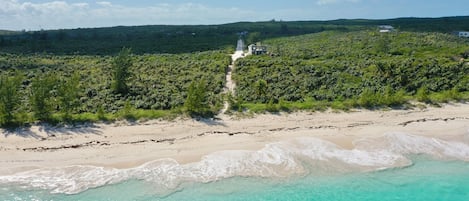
{"type": "Point", "coordinates": [398, 100]}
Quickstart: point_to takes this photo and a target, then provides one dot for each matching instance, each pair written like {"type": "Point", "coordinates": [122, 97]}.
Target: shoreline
{"type": "Point", "coordinates": [123, 145]}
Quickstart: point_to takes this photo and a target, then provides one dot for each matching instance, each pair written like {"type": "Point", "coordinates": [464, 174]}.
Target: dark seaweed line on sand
{"type": "Point", "coordinates": [434, 119]}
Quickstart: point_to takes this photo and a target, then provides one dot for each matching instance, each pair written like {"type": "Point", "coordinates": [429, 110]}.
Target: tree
{"type": "Point", "coordinates": [2, 41]}
{"type": "Point", "coordinates": [9, 97]}
{"type": "Point", "coordinates": [253, 37]}
{"type": "Point", "coordinates": [368, 98]}
{"type": "Point", "coordinates": [261, 90]}
{"type": "Point", "coordinates": [196, 101]}
{"type": "Point", "coordinates": [68, 93]}
{"type": "Point", "coordinates": [61, 35]}
{"type": "Point", "coordinates": [422, 95]}
{"type": "Point", "coordinates": [42, 101]}
{"type": "Point", "coordinates": [284, 28]}
{"type": "Point", "coordinates": [121, 74]}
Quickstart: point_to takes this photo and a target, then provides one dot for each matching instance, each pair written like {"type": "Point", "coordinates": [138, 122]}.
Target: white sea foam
{"type": "Point", "coordinates": [405, 144]}
{"type": "Point", "coordinates": [279, 159]}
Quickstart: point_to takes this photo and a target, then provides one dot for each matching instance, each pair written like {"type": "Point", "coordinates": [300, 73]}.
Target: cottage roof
{"type": "Point", "coordinates": [386, 27]}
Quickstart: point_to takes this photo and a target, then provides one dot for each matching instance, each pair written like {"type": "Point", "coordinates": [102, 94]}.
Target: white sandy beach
{"type": "Point", "coordinates": [125, 145]}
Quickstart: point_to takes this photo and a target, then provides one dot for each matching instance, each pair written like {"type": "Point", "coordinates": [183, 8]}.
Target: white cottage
{"type": "Point", "coordinates": [257, 49]}
{"type": "Point", "coordinates": [386, 28]}
{"type": "Point", "coordinates": [462, 34]}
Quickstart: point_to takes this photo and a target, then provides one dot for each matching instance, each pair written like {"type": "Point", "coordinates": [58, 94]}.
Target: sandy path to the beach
{"type": "Point", "coordinates": [229, 83]}
{"type": "Point", "coordinates": [124, 145]}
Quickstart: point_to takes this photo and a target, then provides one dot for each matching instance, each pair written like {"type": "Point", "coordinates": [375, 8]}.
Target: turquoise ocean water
{"type": "Point", "coordinates": [434, 170]}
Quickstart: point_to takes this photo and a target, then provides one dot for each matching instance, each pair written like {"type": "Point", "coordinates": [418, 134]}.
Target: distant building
{"type": "Point", "coordinates": [386, 28]}
{"type": "Point", "coordinates": [257, 49]}
{"type": "Point", "coordinates": [462, 34]}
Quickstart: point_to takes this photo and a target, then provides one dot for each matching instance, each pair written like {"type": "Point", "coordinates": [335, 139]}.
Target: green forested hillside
{"type": "Point", "coordinates": [153, 39]}
{"type": "Point", "coordinates": [440, 25]}
{"type": "Point", "coordinates": [194, 38]}
{"type": "Point", "coordinates": [361, 68]}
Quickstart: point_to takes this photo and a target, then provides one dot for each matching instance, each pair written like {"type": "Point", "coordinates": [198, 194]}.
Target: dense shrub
{"type": "Point", "coordinates": [374, 69]}
{"type": "Point", "coordinates": [63, 88]}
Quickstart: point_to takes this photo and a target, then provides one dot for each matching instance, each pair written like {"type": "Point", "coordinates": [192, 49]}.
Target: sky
{"type": "Point", "coordinates": [64, 14]}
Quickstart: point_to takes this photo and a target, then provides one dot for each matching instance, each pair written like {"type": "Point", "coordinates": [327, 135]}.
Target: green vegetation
{"type": "Point", "coordinates": [42, 97]}
{"type": "Point", "coordinates": [54, 89]}
{"type": "Point", "coordinates": [154, 39]}
{"type": "Point", "coordinates": [354, 69]}
{"type": "Point", "coordinates": [197, 103]}
{"type": "Point", "coordinates": [67, 76]}
{"type": "Point", "coordinates": [120, 69]}
{"type": "Point", "coordinates": [185, 39]}
{"type": "Point", "coordinates": [9, 98]}
{"type": "Point", "coordinates": [69, 93]}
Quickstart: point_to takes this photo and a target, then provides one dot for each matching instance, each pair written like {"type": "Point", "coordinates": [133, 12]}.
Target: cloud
{"type": "Point", "coordinates": [81, 5]}
{"type": "Point", "coordinates": [58, 14]}
{"type": "Point", "coordinates": [104, 3]}
{"type": "Point", "coordinates": [27, 15]}
{"type": "Point", "coordinates": [326, 2]}
{"type": "Point", "coordinates": [16, 15]}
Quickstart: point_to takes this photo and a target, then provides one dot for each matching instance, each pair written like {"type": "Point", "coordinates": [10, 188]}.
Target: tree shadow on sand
{"type": "Point", "coordinates": [71, 130]}
{"type": "Point", "coordinates": [53, 131]}
{"type": "Point", "coordinates": [24, 132]}
{"type": "Point", "coordinates": [211, 121]}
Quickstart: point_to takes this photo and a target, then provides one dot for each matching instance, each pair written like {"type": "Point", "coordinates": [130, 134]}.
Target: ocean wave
{"type": "Point", "coordinates": [405, 144]}
{"type": "Point", "coordinates": [281, 159]}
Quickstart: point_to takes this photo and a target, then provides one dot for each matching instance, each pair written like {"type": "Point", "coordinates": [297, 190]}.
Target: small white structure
{"type": "Point", "coordinates": [462, 34]}
{"type": "Point", "coordinates": [257, 49]}
{"type": "Point", "coordinates": [386, 28]}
